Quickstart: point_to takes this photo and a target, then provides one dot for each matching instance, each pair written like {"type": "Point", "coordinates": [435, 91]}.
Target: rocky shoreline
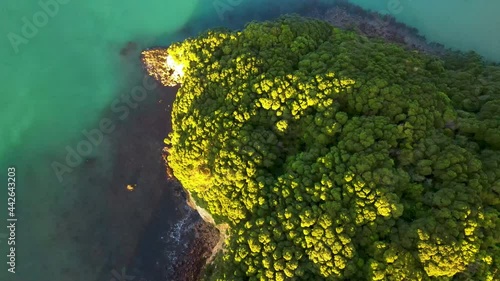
{"type": "Point", "coordinates": [374, 25]}
{"type": "Point", "coordinates": [168, 229]}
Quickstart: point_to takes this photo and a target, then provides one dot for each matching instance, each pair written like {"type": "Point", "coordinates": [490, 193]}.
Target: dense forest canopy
{"type": "Point", "coordinates": [337, 157]}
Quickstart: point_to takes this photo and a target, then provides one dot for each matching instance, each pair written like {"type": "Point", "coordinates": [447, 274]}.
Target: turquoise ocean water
{"type": "Point", "coordinates": [458, 24]}
{"type": "Point", "coordinates": [61, 70]}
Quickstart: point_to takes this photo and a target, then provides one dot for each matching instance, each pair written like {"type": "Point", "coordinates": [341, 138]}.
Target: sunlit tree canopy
{"type": "Point", "coordinates": [337, 157]}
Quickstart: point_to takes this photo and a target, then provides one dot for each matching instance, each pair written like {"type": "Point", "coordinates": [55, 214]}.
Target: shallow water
{"type": "Point", "coordinates": [58, 80]}
{"type": "Point", "coordinates": [67, 70]}
{"type": "Point", "coordinates": [458, 24]}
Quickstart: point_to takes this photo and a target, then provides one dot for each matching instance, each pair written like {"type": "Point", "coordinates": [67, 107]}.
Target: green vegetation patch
{"type": "Point", "coordinates": [337, 157]}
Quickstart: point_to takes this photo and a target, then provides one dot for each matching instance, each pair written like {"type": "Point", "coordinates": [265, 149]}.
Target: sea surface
{"type": "Point", "coordinates": [64, 64]}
